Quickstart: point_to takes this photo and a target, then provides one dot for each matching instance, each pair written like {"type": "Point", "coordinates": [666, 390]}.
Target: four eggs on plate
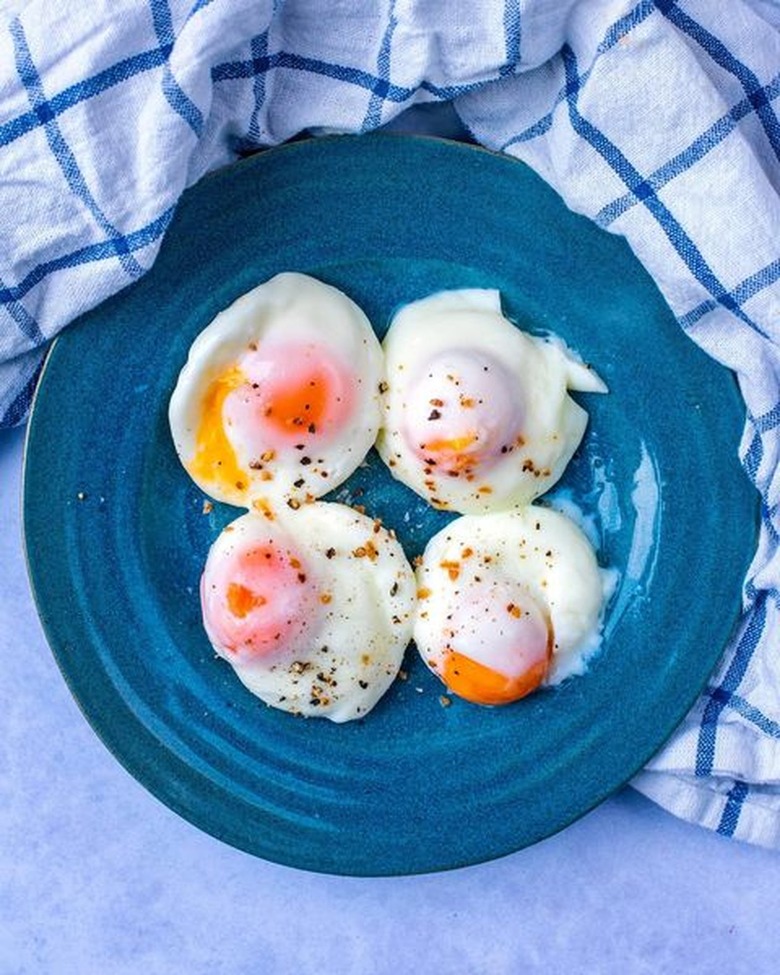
{"type": "Point", "coordinates": [313, 603]}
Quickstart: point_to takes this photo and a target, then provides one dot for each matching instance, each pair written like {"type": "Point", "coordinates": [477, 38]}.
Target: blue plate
{"type": "Point", "coordinates": [116, 535]}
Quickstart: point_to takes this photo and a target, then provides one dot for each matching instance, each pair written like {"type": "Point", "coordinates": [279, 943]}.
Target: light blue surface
{"type": "Point", "coordinates": [97, 876]}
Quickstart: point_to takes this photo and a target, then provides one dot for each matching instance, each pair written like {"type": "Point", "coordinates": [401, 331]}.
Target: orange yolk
{"type": "Point", "coordinates": [297, 392]}
{"type": "Point", "coordinates": [455, 454]}
{"type": "Point", "coordinates": [498, 643]}
{"type": "Point", "coordinates": [258, 601]}
{"type": "Point", "coordinates": [241, 600]}
{"type": "Point", "coordinates": [462, 407]}
{"type": "Point", "coordinates": [479, 684]}
{"type": "Point", "coordinates": [215, 458]}
{"type": "Point", "coordinates": [293, 408]}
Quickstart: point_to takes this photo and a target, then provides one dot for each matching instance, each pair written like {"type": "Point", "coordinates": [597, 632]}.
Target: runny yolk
{"type": "Point", "coordinates": [499, 644]}
{"type": "Point", "coordinates": [479, 684]}
{"type": "Point", "coordinates": [456, 454]}
{"type": "Point", "coordinates": [301, 405]}
{"type": "Point", "coordinates": [258, 601]}
{"type": "Point", "coordinates": [241, 600]}
{"type": "Point", "coordinates": [290, 393]}
{"type": "Point", "coordinates": [215, 458]}
{"type": "Point", "coordinates": [461, 409]}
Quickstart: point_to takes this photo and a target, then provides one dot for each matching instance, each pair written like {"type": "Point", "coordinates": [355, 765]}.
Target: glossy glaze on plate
{"type": "Point", "coordinates": [116, 533]}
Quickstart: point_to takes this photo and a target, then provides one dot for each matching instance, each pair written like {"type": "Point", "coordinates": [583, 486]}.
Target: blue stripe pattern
{"type": "Point", "coordinates": [373, 116]}
{"type": "Point", "coordinates": [764, 278]}
{"type": "Point", "coordinates": [749, 711]}
{"type": "Point", "coordinates": [82, 91]}
{"type": "Point", "coordinates": [177, 98]}
{"type": "Point", "coordinates": [721, 55]}
{"type": "Point", "coordinates": [746, 645]}
{"type": "Point", "coordinates": [62, 151]}
{"type": "Point", "coordinates": [513, 36]}
{"type": "Point", "coordinates": [25, 322]}
{"type": "Point", "coordinates": [767, 421]}
{"type": "Point", "coordinates": [134, 241]}
{"type": "Point", "coordinates": [617, 31]}
{"type": "Point", "coordinates": [731, 812]}
{"type": "Point", "coordinates": [683, 161]}
{"type": "Point", "coordinates": [21, 399]}
{"type": "Point", "coordinates": [243, 69]}
{"type": "Point", "coordinates": [643, 190]}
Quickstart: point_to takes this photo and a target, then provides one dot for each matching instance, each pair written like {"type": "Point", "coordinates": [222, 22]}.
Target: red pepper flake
{"type": "Point", "coordinates": [453, 569]}
{"type": "Point", "coordinates": [261, 505]}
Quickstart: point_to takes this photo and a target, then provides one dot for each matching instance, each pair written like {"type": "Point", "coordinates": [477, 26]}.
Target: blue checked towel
{"type": "Point", "coordinates": [657, 120]}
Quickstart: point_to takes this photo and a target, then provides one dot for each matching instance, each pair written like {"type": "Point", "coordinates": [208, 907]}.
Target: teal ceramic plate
{"type": "Point", "coordinates": [116, 534]}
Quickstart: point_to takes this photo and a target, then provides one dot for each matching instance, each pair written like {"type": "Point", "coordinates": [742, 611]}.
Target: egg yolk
{"type": "Point", "coordinates": [462, 412]}
{"type": "Point", "coordinates": [498, 649]}
{"type": "Point", "coordinates": [293, 392]}
{"type": "Point", "coordinates": [257, 602]}
{"type": "Point", "coordinates": [275, 396]}
{"type": "Point", "coordinates": [215, 458]}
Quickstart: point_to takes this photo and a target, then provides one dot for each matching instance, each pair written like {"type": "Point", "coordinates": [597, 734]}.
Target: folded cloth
{"type": "Point", "coordinates": [657, 120]}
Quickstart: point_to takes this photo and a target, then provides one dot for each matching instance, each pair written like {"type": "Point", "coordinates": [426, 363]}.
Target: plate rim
{"type": "Point", "coordinates": [151, 782]}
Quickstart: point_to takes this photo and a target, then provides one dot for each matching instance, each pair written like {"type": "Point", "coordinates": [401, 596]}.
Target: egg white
{"type": "Point", "coordinates": [289, 308]}
{"type": "Point", "coordinates": [348, 651]}
{"type": "Point", "coordinates": [535, 549]}
{"type": "Point", "coordinates": [429, 348]}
